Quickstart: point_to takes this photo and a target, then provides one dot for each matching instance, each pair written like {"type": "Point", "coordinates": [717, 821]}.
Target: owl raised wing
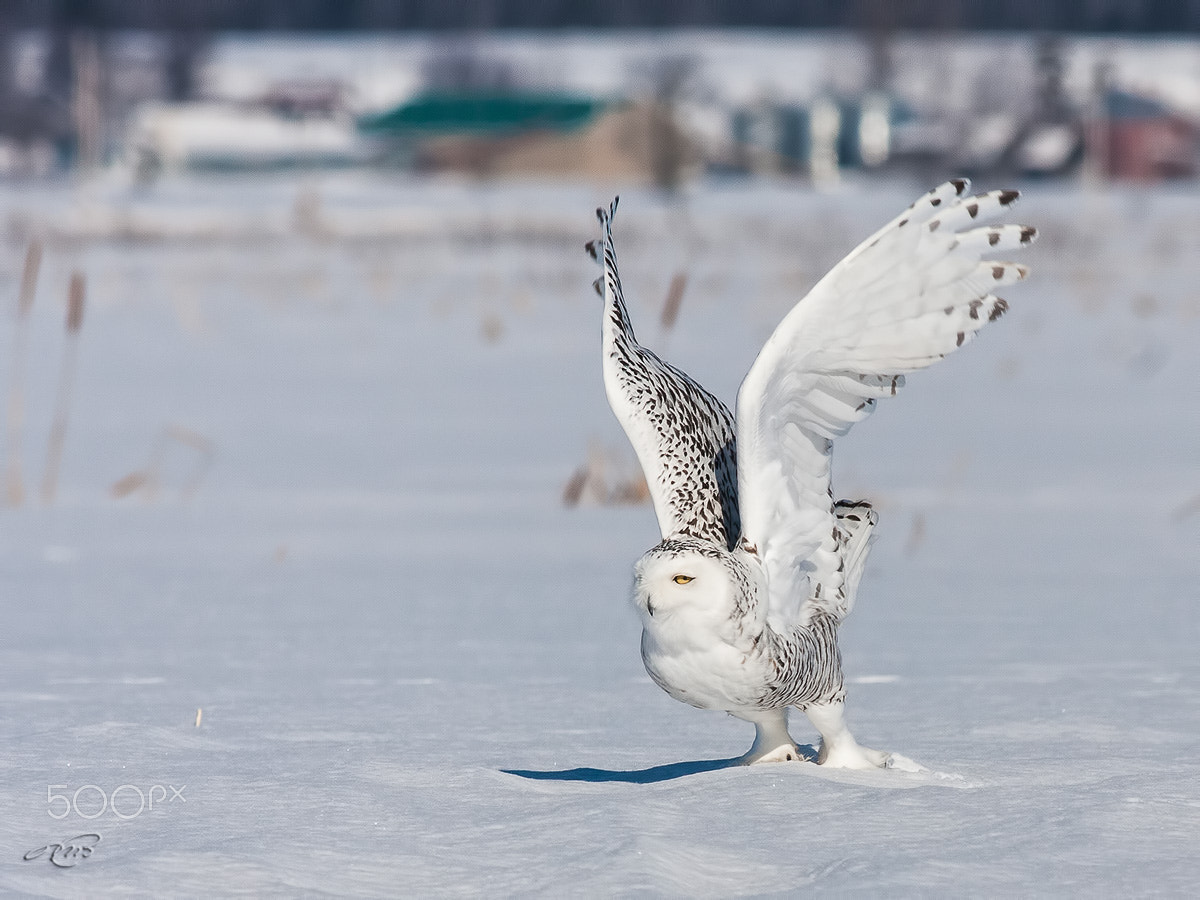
{"type": "Point", "coordinates": [912, 293]}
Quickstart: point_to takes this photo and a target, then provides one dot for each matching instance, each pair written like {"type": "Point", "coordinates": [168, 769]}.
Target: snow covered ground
{"type": "Point", "coordinates": [417, 672]}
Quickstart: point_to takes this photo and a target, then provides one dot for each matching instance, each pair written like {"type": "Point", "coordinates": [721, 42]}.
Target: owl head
{"type": "Point", "coordinates": [692, 580]}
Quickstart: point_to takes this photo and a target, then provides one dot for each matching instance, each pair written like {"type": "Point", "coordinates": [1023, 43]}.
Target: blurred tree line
{"type": "Point", "coordinates": [1129, 16]}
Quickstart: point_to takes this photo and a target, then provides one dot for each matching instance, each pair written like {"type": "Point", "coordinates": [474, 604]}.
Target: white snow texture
{"type": "Point", "coordinates": [418, 672]}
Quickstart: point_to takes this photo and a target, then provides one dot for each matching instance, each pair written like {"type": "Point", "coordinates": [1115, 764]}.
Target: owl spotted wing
{"type": "Point", "coordinates": [915, 291]}
{"type": "Point", "coordinates": [682, 434]}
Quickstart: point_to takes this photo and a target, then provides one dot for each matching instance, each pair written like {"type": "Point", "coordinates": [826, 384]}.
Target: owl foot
{"type": "Point", "coordinates": [772, 743]}
{"type": "Point", "coordinates": [845, 756]}
{"type": "Point", "coordinates": [839, 750]}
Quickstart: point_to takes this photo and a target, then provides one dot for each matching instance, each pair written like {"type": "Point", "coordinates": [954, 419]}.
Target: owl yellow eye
{"type": "Point", "coordinates": [682, 579]}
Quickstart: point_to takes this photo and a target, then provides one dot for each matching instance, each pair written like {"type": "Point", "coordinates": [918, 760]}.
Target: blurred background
{"type": "Point", "coordinates": [661, 91]}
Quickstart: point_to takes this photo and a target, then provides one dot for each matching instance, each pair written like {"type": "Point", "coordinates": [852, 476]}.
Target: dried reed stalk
{"type": "Point", "coordinates": [916, 534]}
{"type": "Point", "coordinates": [1186, 509]}
{"type": "Point", "coordinates": [573, 491]}
{"type": "Point", "coordinates": [14, 480]}
{"type": "Point", "coordinates": [670, 310]}
{"type": "Point", "coordinates": [149, 478]}
{"type": "Point", "coordinates": [66, 381]}
{"type": "Point", "coordinates": [590, 483]}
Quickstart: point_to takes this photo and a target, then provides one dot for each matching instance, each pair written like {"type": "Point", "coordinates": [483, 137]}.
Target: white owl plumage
{"type": "Point", "coordinates": [741, 600]}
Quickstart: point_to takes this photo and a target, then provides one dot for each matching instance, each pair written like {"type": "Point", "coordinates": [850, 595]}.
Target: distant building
{"type": "Point", "coordinates": [516, 133]}
{"type": "Point", "coordinates": [301, 124]}
{"type": "Point", "coordinates": [1139, 139]}
{"type": "Point", "coordinates": [817, 139]}
{"type": "Point", "coordinates": [483, 113]}
{"type": "Point", "coordinates": [229, 137]}
{"type": "Point", "coordinates": [1048, 149]}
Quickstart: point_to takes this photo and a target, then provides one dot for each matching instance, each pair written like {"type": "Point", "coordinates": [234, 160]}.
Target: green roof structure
{"type": "Point", "coordinates": [484, 113]}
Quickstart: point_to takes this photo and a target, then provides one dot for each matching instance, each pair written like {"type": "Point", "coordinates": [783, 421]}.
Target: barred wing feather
{"type": "Point", "coordinates": [682, 434]}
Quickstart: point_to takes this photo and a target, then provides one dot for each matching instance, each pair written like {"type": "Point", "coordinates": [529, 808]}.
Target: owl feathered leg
{"type": "Point", "coordinates": [772, 742]}
{"type": "Point", "coordinates": [839, 749]}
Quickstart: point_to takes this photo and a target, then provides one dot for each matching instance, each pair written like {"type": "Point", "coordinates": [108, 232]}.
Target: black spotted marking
{"type": "Point", "coordinates": [590, 247]}
{"type": "Point", "coordinates": [933, 226]}
{"type": "Point", "coordinates": [993, 238]}
{"type": "Point", "coordinates": [974, 308]}
{"type": "Point", "coordinates": [960, 339]}
{"type": "Point", "coordinates": [903, 222]}
{"type": "Point", "coordinates": [1007, 197]}
{"type": "Point", "coordinates": [972, 209]}
{"type": "Point", "coordinates": [999, 308]}
{"type": "Point", "coordinates": [949, 310]}
{"type": "Point", "coordinates": [1027, 234]}
{"type": "Point", "coordinates": [997, 272]}
{"type": "Point", "coordinates": [960, 185]}
{"type": "Point", "coordinates": [936, 201]}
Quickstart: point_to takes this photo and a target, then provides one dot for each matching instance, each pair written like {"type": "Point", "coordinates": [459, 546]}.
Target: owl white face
{"type": "Point", "coordinates": [673, 583]}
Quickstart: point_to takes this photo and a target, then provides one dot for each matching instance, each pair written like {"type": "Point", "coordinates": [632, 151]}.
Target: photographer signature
{"type": "Point", "coordinates": [68, 853]}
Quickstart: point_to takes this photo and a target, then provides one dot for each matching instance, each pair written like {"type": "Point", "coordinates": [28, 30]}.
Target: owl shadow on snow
{"type": "Point", "coordinates": [652, 775]}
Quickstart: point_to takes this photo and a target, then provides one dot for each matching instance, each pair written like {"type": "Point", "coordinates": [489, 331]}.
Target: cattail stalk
{"type": "Point", "coordinates": [14, 480]}
{"type": "Point", "coordinates": [66, 380]}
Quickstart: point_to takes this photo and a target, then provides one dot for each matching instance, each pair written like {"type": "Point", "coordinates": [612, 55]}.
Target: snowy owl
{"type": "Point", "coordinates": [741, 600]}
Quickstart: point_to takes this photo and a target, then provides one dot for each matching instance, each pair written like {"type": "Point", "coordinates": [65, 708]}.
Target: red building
{"type": "Point", "coordinates": [1141, 140]}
